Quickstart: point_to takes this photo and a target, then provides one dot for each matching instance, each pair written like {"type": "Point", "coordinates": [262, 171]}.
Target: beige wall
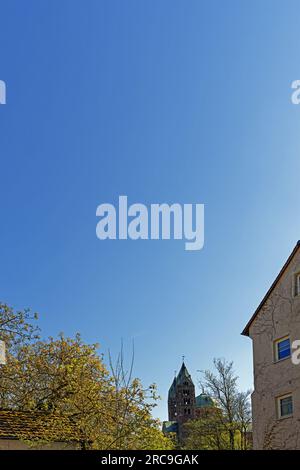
{"type": "Point", "coordinates": [279, 317]}
{"type": "Point", "coordinates": [14, 444]}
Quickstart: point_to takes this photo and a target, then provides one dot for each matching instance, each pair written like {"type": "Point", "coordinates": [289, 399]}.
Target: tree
{"type": "Point", "coordinates": [206, 433]}
{"type": "Point", "coordinates": [244, 419]}
{"type": "Point", "coordinates": [134, 427]}
{"type": "Point", "coordinates": [16, 327]}
{"type": "Point", "coordinates": [234, 414]}
{"type": "Point", "coordinates": [66, 376]}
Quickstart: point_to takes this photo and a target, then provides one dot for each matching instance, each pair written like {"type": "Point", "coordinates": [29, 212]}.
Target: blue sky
{"type": "Point", "coordinates": [170, 101]}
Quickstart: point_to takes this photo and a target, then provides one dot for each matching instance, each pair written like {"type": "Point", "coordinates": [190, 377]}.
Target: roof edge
{"type": "Point", "coordinates": [245, 331]}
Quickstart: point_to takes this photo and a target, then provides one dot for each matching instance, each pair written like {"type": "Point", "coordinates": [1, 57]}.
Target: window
{"type": "Point", "coordinates": [282, 348]}
{"type": "Point", "coordinates": [297, 284]}
{"type": "Point", "coordinates": [285, 406]}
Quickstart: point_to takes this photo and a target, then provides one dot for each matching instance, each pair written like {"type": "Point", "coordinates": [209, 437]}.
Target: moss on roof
{"type": "Point", "coordinates": [37, 426]}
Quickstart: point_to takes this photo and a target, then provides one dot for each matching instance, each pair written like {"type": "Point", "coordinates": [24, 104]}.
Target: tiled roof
{"type": "Point", "coordinates": [37, 425]}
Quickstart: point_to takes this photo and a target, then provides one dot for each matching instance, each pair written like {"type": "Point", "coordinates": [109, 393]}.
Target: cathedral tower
{"type": "Point", "coordinates": [183, 405]}
{"type": "Point", "coordinates": [181, 397]}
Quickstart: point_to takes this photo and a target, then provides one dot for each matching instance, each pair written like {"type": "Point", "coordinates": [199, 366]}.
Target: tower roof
{"type": "Point", "coordinates": [204, 401]}
{"type": "Point", "coordinates": [183, 375]}
{"type": "Point", "coordinates": [172, 390]}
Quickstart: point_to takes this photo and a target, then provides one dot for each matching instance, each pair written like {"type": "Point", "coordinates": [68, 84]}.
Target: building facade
{"type": "Point", "coordinates": [273, 328]}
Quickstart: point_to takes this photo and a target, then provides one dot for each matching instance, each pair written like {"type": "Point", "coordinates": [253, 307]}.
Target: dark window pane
{"type": "Point", "coordinates": [286, 406]}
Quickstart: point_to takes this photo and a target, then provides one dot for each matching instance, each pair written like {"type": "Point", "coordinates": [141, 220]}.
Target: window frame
{"type": "Point", "coordinates": [276, 348]}
{"type": "Point", "coordinates": [278, 405]}
{"type": "Point", "coordinates": [296, 284]}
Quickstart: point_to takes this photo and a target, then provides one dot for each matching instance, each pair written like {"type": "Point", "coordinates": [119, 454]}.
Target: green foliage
{"type": "Point", "coordinates": [227, 426]}
{"type": "Point", "coordinates": [65, 376]}
{"type": "Point", "coordinates": [16, 327]}
{"type": "Point", "coordinates": [212, 433]}
{"type": "Point", "coordinates": [206, 433]}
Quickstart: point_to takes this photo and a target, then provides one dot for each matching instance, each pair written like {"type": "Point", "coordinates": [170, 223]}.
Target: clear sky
{"type": "Point", "coordinates": [163, 101]}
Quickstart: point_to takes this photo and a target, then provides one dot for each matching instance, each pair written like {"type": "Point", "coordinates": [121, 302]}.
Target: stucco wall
{"type": "Point", "coordinates": [279, 317]}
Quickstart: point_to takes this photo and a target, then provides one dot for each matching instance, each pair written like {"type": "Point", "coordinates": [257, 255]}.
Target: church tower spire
{"type": "Point", "coordinates": [181, 397]}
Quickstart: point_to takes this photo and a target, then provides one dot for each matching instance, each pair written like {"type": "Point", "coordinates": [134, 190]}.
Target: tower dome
{"type": "Point", "coordinates": [204, 401]}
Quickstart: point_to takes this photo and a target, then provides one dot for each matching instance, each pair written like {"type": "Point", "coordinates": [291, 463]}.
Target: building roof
{"type": "Point", "coordinates": [170, 426]}
{"type": "Point", "coordinates": [245, 331]}
{"type": "Point", "coordinates": [183, 375]}
{"type": "Point", "coordinates": [204, 401]}
{"type": "Point", "coordinates": [37, 425]}
{"type": "Point", "coordinates": [172, 389]}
